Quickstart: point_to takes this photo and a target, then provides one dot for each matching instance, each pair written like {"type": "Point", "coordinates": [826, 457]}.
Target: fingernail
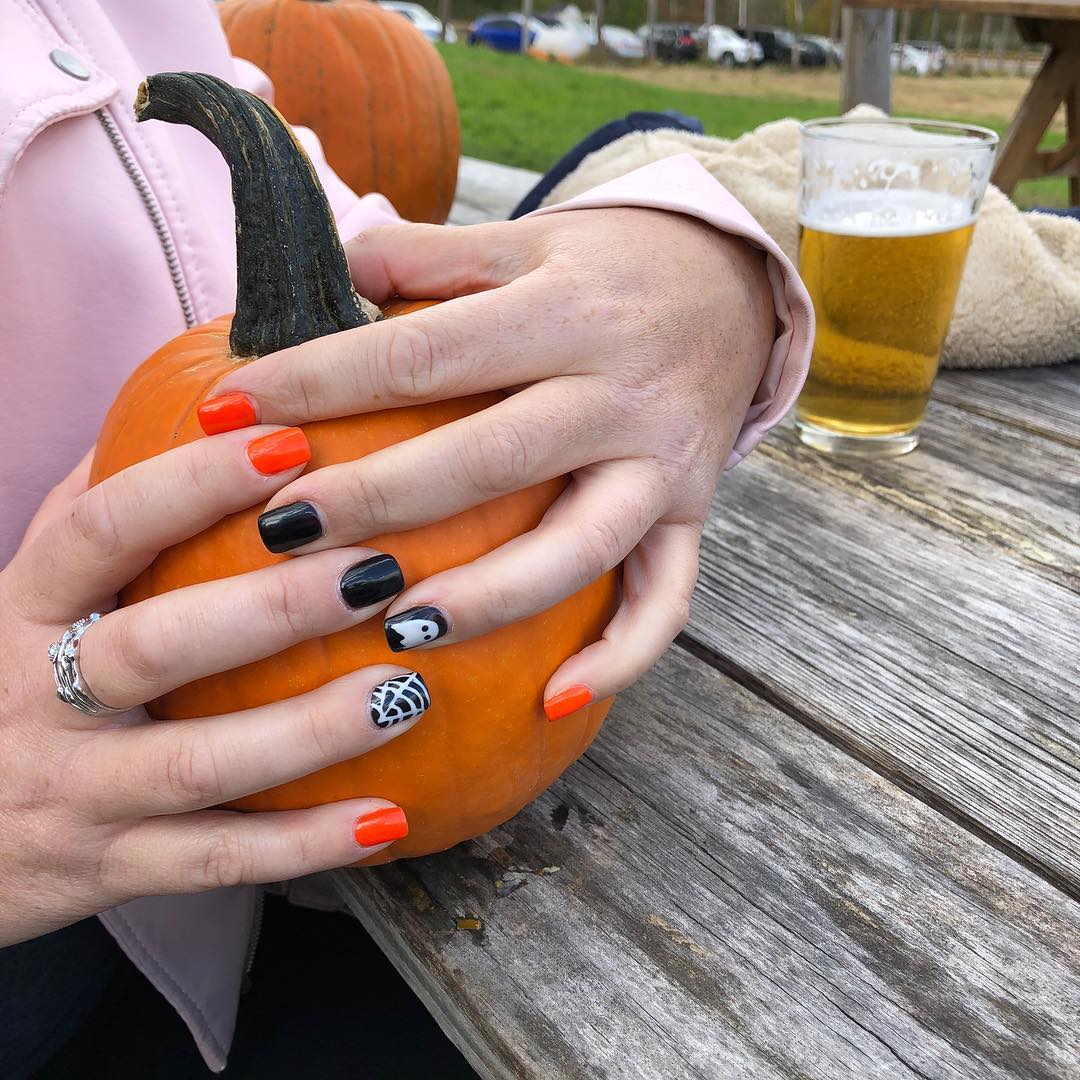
{"type": "Point", "coordinates": [278, 451]}
{"type": "Point", "coordinates": [567, 701]}
{"type": "Point", "coordinates": [227, 412]}
{"type": "Point", "coordinates": [290, 526]}
{"type": "Point", "coordinates": [399, 698]}
{"type": "Point", "coordinates": [372, 580]}
{"type": "Point", "coordinates": [381, 826]}
{"type": "Point", "coordinates": [415, 627]}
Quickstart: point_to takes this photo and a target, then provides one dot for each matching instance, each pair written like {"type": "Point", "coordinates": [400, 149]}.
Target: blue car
{"type": "Point", "coordinates": [501, 32]}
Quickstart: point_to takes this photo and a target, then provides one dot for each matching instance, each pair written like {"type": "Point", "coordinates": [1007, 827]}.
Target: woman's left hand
{"type": "Point", "coordinates": [634, 340]}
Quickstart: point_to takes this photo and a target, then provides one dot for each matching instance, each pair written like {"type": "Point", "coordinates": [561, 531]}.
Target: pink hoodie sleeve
{"type": "Point", "coordinates": [681, 184]}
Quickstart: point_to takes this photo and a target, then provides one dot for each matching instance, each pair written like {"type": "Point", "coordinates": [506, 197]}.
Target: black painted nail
{"type": "Point", "coordinates": [288, 527]}
{"type": "Point", "coordinates": [372, 580]}
{"type": "Point", "coordinates": [415, 627]}
{"type": "Point", "coordinates": [399, 698]}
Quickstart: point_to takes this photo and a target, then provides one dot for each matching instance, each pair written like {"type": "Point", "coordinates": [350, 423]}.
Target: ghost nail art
{"type": "Point", "coordinates": [416, 626]}
{"type": "Point", "coordinates": [399, 698]}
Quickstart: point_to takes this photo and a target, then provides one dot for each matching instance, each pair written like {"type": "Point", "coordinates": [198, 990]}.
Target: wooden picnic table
{"type": "Point", "coordinates": [836, 831]}
{"type": "Point", "coordinates": [868, 34]}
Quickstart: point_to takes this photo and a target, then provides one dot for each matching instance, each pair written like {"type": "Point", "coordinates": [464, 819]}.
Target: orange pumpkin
{"type": "Point", "coordinates": [485, 748]}
{"type": "Point", "coordinates": [369, 84]}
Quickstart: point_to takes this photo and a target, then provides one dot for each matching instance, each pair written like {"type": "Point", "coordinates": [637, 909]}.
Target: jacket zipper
{"type": "Point", "coordinates": [157, 218]}
{"type": "Point", "coordinates": [253, 941]}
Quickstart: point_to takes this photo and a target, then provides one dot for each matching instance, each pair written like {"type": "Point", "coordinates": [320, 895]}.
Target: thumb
{"type": "Point", "coordinates": [439, 262]}
{"type": "Point", "coordinates": [60, 498]}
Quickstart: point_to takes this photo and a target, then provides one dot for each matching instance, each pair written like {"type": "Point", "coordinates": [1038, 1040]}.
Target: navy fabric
{"type": "Point", "coordinates": [1069, 211]}
{"type": "Point", "coordinates": [48, 987]}
{"type": "Point", "coordinates": [614, 129]}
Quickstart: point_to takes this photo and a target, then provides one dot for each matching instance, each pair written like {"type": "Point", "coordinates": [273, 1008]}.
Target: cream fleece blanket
{"type": "Point", "coordinates": [1019, 301]}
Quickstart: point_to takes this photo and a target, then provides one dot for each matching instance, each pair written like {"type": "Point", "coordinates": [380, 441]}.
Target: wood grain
{"type": "Point", "coordinates": [714, 892]}
{"type": "Point", "coordinates": [923, 612]}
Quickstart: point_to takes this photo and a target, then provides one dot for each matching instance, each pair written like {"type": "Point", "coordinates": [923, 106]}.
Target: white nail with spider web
{"type": "Point", "coordinates": [400, 698]}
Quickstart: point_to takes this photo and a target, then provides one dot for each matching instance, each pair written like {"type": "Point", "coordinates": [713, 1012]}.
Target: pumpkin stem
{"type": "Point", "coordinates": [292, 278]}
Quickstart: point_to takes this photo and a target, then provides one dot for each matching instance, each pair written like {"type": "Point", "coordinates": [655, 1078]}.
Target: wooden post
{"type": "Point", "coordinates": [601, 52]}
{"type": "Point", "coordinates": [958, 46]}
{"type": "Point", "coordinates": [984, 41]}
{"type": "Point", "coordinates": [934, 18]}
{"type": "Point", "coordinates": [834, 21]}
{"type": "Point", "coordinates": [743, 16]}
{"type": "Point", "coordinates": [650, 18]}
{"type": "Point", "coordinates": [526, 14]}
{"type": "Point", "coordinates": [710, 12]}
{"type": "Point", "coordinates": [444, 17]}
{"type": "Point", "coordinates": [795, 50]}
{"type": "Point", "coordinates": [868, 35]}
{"type": "Point", "coordinates": [905, 28]}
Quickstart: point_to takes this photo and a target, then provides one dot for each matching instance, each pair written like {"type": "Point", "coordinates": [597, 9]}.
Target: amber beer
{"type": "Point", "coordinates": [886, 212]}
{"type": "Point", "coordinates": [883, 294]}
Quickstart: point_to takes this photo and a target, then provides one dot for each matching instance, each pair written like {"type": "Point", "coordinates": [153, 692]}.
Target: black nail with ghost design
{"type": "Point", "coordinates": [417, 626]}
{"type": "Point", "coordinates": [401, 698]}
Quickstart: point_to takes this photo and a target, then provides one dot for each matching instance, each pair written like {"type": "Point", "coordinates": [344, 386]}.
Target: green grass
{"type": "Point", "coordinates": [518, 111]}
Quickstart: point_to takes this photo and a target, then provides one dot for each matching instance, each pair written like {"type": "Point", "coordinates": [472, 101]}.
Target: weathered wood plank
{"type": "Point", "coordinates": [924, 612]}
{"type": "Point", "coordinates": [1042, 400]}
{"type": "Point", "coordinates": [714, 892]}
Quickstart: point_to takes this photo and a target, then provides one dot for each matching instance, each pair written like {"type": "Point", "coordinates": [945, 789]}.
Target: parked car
{"type": "Point", "coordinates": [777, 44]}
{"type": "Point", "coordinates": [936, 52]}
{"type": "Point", "coordinates": [724, 47]}
{"type": "Point", "coordinates": [674, 43]}
{"type": "Point", "coordinates": [620, 42]}
{"type": "Point", "coordinates": [909, 60]}
{"type": "Point", "coordinates": [545, 37]}
{"type": "Point", "coordinates": [834, 51]}
{"type": "Point", "coordinates": [422, 19]}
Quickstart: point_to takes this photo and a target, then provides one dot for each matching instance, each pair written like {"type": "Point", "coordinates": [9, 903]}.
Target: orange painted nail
{"type": "Point", "coordinates": [567, 701]}
{"type": "Point", "coordinates": [381, 826]}
{"type": "Point", "coordinates": [226, 412]}
{"type": "Point", "coordinates": [278, 451]}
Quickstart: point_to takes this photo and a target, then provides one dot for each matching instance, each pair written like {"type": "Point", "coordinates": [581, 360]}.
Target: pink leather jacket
{"type": "Point", "coordinates": [114, 238]}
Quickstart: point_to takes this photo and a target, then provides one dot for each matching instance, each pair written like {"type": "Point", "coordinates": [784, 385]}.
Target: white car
{"type": "Point", "coordinates": [909, 60]}
{"type": "Point", "coordinates": [620, 42]}
{"type": "Point", "coordinates": [724, 47]}
{"type": "Point", "coordinates": [422, 19]}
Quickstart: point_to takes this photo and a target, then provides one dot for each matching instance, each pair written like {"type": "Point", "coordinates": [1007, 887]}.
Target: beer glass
{"type": "Point", "coordinates": [886, 212]}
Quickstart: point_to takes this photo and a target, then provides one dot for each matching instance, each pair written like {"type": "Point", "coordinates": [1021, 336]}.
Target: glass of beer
{"type": "Point", "coordinates": [886, 212]}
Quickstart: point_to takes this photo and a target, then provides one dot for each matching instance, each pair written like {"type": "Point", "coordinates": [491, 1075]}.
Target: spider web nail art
{"type": "Point", "coordinates": [400, 698]}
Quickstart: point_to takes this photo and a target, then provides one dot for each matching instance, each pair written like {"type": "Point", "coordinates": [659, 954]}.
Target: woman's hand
{"type": "Point", "coordinates": [634, 339]}
{"type": "Point", "coordinates": [97, 810]}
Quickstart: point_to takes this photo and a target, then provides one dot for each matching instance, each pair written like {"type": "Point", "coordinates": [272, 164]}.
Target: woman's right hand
{"type": "Point", "coordinates": [98, 810]}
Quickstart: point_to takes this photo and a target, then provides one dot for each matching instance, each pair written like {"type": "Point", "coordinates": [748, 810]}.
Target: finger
{"type": "Point", "coordinates": [491, 341]}
{"type": "Point", "coordinates": [58, 500]}
{"type": "Point", "coordinates": [658, 582]}
{"type": "Point", "coordinates": [433, 262]}
{"type": "Point", "coordinates": [112, 532]}
{"type": "Point", "coordinates": [545, 431]}
{"type": "Point", "coordinates": [167, 768]}
{"type": "Point", "coordinates": [591, 528]}
{"type": "Point", "coordinates": [136, 654]}
{"type": "Point", "coordinates": [211, 849]}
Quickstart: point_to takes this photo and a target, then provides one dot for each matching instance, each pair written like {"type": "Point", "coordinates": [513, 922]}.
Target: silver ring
{"type": "Point", "coordinates": [70, 685]}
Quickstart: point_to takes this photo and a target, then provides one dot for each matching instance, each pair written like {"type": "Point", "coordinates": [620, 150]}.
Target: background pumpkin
{"type": "Point", "coordinates": [369, 84]}
{"type": "Point", "coordinates": [485, 748]}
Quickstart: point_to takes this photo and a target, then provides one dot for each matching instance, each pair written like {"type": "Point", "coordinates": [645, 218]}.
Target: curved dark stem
{"type": "Point", "coordinates": [292, 279]}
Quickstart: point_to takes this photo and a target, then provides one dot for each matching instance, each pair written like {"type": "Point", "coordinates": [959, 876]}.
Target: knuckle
{"type": "Point", "coordinates": [134, 654]}
{"type": "Point", "coordinates": [323, 730]}
{"type": "Point", "coordinates": [600, 547]}
{"type": "Point", "coordinates": [367, 500]}
{"type": "Point", "coordinates": [408, 360]}
{"type": "Point", "coordinates": [283, 605]}
{"type": "Point", "coordinates": [224, 860]}
{"type": "Point", "coordinates": [93, 521]}
{"type": "Point", "coordinates": [190, 772]}
{"type": "Point", "coordinates": [498, 457]}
